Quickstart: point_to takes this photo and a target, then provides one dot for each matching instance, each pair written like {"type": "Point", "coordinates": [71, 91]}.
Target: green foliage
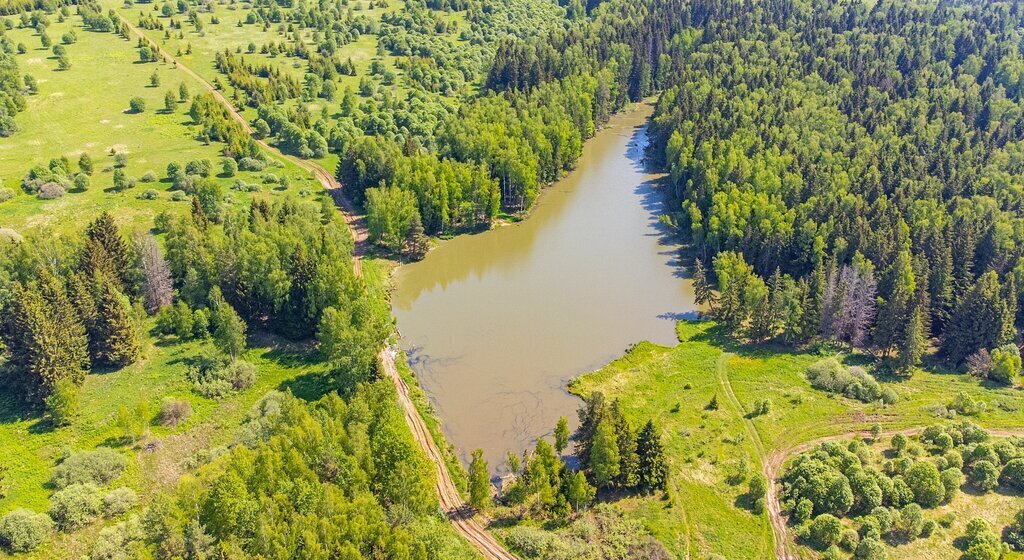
{"type": "Point", "coordinates": [562, 435]}
{"type": "Point", "coordinates": [825, 531]}
{"type": "Point", "coordinates": [137, 105]}
{"type": "Point", "coordinates": [390, 215]}
{"type": "Point", "coordinates": [479, 480]}
{"type": "Point", "coordinates": [62, 404]}
{"type": "Point", "coordinates": [1006, 364]}
{"type": "Point", "coordinates": [99, 466]}
{"type": "Point", "coordinates": [852, 382]}
{"type": "Point", "coordinates": [23, 530]}
{"type": "Point", "coordinates": [228, 328]}
{"type": "Point", "coordinates": [604, 454]}
{"type": "Point", "coordinates": [118, 501]}
{"type": "Point", "coordinates": [75, 506]}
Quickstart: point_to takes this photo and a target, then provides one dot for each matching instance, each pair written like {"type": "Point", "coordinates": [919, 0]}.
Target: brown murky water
{"type": "Point", "coordinates": [497, 323]}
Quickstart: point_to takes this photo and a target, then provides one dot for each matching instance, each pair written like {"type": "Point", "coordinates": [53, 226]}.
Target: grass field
{"type": "Point", "coordinates": [711, 450]}
{"type": "Point", "coordinates": [83, 109]}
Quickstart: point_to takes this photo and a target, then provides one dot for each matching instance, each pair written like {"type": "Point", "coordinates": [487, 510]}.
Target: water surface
{"type": "Point", "coordinates": [497, 323]}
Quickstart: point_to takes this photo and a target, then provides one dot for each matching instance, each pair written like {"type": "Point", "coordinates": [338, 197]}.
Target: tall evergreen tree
{"type": "Point", "coordinates": [118, 338]}
{"type": "Point", "coordinates": [590, 414]}
{"type": "Point", "coordinates": [979, 320]}
{"type": "Point", "coordinates": [625, 438]}
{"type": "Point", "coordinates": [702, 294]}
{"type": "Point", "coordinates": [653, 468]}
{"type": "Point", "coordinates": [45, 340]}
{"type": "Point", "coordinates": [102, 232]}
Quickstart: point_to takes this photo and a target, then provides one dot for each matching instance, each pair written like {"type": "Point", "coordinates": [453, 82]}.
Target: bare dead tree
{"type": "Point", "coordinates": [157, 286]}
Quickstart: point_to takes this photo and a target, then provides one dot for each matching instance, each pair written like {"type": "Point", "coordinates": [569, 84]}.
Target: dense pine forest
{"type": "Point", "coordinates": [848, 173]}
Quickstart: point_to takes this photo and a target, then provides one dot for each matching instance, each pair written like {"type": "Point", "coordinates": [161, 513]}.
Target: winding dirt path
{"type": "Point", "coordinates": [459, 513]}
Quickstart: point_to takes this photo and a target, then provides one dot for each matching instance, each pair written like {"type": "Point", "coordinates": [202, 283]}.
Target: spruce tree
{"type": "Point", "coordinates": [653, 468]}
{"type": "Point", "coordinates": [625, 439]}
{"type": "Point", "coordinates": [118, 338]}
{"type": "Point", "coordinates": [45, 341]}
{"type": "Point", "coordinates": [103, 232]}
{"type": "Point", "coordinates": [978, 322]}
{"type": "Point", "coordinates": [702, 293]}
{"type": "Point", "coordinates": [590, 415]}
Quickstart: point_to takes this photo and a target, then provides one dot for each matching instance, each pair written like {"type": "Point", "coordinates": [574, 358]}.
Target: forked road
{"type": "Point", "coordinates": [451, 500]}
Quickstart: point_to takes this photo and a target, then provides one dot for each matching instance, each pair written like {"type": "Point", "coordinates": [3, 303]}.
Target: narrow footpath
{"type": "Point", "coordinates": [459, 513]}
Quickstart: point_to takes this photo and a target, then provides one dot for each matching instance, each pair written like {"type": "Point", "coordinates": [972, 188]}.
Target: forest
{"type": "Point", "coordinates": [847, 172]}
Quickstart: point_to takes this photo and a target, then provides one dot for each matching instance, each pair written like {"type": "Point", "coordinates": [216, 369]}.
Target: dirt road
{"type": "Point", "coordinates": [460, 514]}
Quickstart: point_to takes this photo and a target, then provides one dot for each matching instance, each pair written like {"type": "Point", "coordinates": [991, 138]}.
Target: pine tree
{"type": "Point", "coordinates": [118, 338]}
{"type": "Point", "coordinates": [46, 342]}
{"type": "Point", "coordinates": [653, 468]}
{"type": "Point", "coordinates": [810, 322]}
{"type": "Point", "coordinates": [625, 439]}
{"type": "Point", "coordinates": [762, 324]}
{"type": "Point", "coordinates": [978, 322]}
{"type": "Point", "coordinates": [703, 296]}
{"type": "Point", "coordinates": [199, 215]}
{"type": "Point", "coordinates": [912, 340]}
{"type": "Point", "coordinates": [604, 454]}
{"type": "Point", "coordinates": [590, 415]}
{"type": "Point", "coordinates": [103, 232]}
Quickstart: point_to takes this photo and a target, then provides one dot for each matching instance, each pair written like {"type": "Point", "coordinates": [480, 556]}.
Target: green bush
{"type": "Point", "coordinates": [137, 105]}
{"type": "Point", "coordinates": [984, 476]}
{"type": "Point", "coordinates": [22, 530]}
{"type": "Point", "coordinates": [75, 506]}
{"type": "Point", "coordinates": [1013, 474]}
{"type": "Point", "coordinates": [853, 382]}
{"type": "Point", "coordinates": [99, 466]}
{"type": "Point", "coordinates": [62, 403]}
{"type": "Point", "coordinates": [826, 530]}
{"type": "Point", "coordinates": [118, 501]}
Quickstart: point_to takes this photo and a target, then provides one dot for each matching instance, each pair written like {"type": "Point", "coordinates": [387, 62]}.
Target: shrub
{"type": "Point", "coordinates": [1014, 534]}
{"type": "Point", "coordinates": [114, 543]}
{"type": "Point", "coordinates": [22, 530]}
{"type": "Point", "coordinates": [62, 404]}
{"type": "Point", "coordinates": [97, 467]}
{"type": "Point", "coordinates": [979, 364]}
{"type": "Point", "coordinates": [136, 105]}
{"type": "Point", "coordinates": [251, 164]}
{"type": "Point", "coordinates": [174, 411]}
{"type": "Point", "coordinates": [118, 501]}
{"type": "Point", "coordinates": [179, 196]}
{"type": "Point", "coordinates": [1013, 474]}
{"type": "Point", "coordinates": [49, 191]}
{"type": "Point", "coordinates": [1005, 364]}
{"type": "Point", "coordinates": [984, 476]}
{"type": "Point", "coordinates": [966, 405]}
{"type": "Point", "coordinates": [870, 549]}
{"type": "Point", "coordinates": [826, 530]}
{"type": "Point", "coordinates": [215, 377]}
{"type": "Point", "coordinates": [200, 167]}
{"type": "Point", "coordinates": [229, 167]}
{"type": "Point", "coordinates": [6, 194]}
{"type": "Point", "coordinates": [81, 182]}
{"type": "Point", "coordinates": [75, 506]}
{"type": "Point", "coordinates": [854, 382]}
{"type": "Point", "coordinates": [148, 177]}
{"type": "Point", "coordinates": [149, 194]}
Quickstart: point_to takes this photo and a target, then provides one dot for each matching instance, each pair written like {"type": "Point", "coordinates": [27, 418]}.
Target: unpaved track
{"type": "Point", "coordinates": [460, 514]}
{"type": "Point", "coordinates": [776, 460]}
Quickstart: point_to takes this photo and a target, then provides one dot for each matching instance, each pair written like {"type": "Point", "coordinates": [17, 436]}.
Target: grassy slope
{"type": "Point", "coordinates": [706, 447]}
{"type": "Point", "coordinates": [83, 109]}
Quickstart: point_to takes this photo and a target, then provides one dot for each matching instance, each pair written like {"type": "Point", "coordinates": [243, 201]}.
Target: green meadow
{"type": "Point", "coordinates": [713, 451]}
